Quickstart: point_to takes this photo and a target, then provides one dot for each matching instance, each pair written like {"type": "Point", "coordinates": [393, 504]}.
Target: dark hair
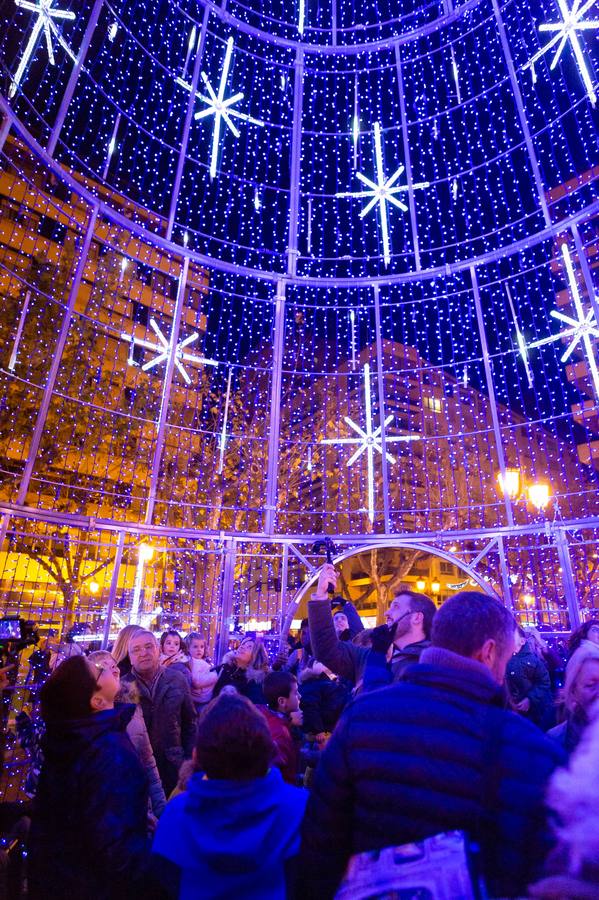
{"type": "Point", "coordinates": [68, 691]}
{"type": "Point", "coordinates": [233, 740]}
{"type": "Point", "coordinates": [468, 619]}
{"type": "Point", "coordinates": [277, 684]}
{"type": "Point", "coordinates": [304, 624]}
{"type": "Point", "coordinates": [420, 603]}
{"type": "Point", "coordinates": [581, 634]}
{"type": "Point", "coordinates": [170, 632]}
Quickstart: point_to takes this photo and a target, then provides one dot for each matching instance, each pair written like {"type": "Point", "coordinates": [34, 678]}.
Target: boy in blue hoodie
{"type": "Point", "coordinates": [235, 830]}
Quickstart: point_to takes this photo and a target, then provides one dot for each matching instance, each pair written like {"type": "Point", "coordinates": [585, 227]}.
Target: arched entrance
{"type": "Point", "coordinates": [460, 575]}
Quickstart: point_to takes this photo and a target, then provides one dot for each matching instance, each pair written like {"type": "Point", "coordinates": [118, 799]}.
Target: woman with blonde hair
{"type": "Point", "coordinates": [581, 690]}
{"type": "Point", "coordinates": [245, 669]}
{"type": "Point", "coordinates": [120, 652]}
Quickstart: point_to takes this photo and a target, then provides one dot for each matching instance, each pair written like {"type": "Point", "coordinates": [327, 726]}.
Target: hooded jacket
{"type": "Point", "coordinates": [232, 838]}
{"type": "Point", "coordinates": [434, 752]}
{"type": "Point", "coordinates": [89, 826]}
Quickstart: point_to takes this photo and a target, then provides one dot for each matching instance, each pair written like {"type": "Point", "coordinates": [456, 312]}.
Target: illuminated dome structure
{"type": "Point", "coordinates": [272, 270]}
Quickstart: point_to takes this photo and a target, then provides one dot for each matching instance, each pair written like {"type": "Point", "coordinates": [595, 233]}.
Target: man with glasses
{"type": "Point", "coordinates": [395, 645]}
{"type": "Point", "coordinates": [167, 706]}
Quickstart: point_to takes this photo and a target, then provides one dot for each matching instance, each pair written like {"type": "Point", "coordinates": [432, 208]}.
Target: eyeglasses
{"type": "Point", "coordinates": [106, 667]}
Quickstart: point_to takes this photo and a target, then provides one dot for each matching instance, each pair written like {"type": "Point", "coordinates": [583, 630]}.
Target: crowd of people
{"type": "Point", "coordinates": [164, 775]}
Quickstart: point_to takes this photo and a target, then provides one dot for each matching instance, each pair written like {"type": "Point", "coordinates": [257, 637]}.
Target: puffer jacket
{"type": "Point", "coordinates": [170, 717]}
{"type": "Point", "coordinates": [435, 752]}
{"type": "Point", "coordinates": [89, 826]}
{"type": "Point", "coordinates": [528, 677]}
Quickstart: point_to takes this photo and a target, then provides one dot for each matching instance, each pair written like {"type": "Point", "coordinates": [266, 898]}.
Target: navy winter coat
{"type": "Point", "coordinates": [433, 753]}
{"type": "Point", "coordinates": [88, 834]}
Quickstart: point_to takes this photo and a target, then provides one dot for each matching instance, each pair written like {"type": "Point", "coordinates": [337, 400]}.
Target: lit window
{"type": "Point", "coordinates": [433, 403]}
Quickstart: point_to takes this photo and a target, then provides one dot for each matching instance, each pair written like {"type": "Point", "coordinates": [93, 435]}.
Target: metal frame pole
{"type": "Point", "coordinates": [407, 157]}
{"type": "Point", "coordinates": [296, 158]}
{"type": "Point", "coordinates": [114, 583]}
{"type": "Point", "coordinates": [284, 579]}
{"type": "Point", "coordinates": [166, 391]}
{"type": "Point", "coordinates": [563, 553]}
{"type": "Point", "coordinates": [505, 578]}
{"type": "Point", "coordinates": [279, 335]}
{"type": "Point", "coordinates": [275, 412]}
{"type": "Point", "coordinates": [187, 124]}
{"type": "Point", "coordinates": [382, 415]}
{"type": "Point", "coordinates": [491, 389]}
{"type": "Point", "coordinates": [74, 77]}
{"type": "Point", "coordinates": [4, 129]}
{"type": "Point", "coordinates": [521, 113]}
{"type": "Point", "coordinates": [226, 604]}
{"type": "Point", "coordinates": [586, 271]}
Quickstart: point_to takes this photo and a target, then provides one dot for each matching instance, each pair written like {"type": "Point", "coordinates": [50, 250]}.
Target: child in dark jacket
{"type": "Point", "coordinates": [235, 831]}
{"type": "Point", "coordinates": [89, 826]}
{"type": "Point", "coordinates": [282, 714]}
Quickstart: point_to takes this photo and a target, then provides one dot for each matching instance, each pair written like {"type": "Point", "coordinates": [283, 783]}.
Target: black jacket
{"type": "Point", "coordinates": [89, 827]}
{"type": "Point", "coordinates": [528, 677]}
{"type": "Point", "coordinates": [231, 674]}
{"type": "Point", "coordinates": [432, 753]}
{"type": "Point", "coordinates": [170, 718]}
{"type": "Point", "coordinates": [349, 661]}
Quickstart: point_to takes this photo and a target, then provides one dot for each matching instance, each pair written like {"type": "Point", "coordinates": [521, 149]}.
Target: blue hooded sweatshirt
{"type": "Point", "coordinates": [231, 838]}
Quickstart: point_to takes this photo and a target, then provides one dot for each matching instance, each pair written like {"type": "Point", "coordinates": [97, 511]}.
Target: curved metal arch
{"type": "Point", "coordinates": [220, 12]}
{"type": "Point", "coordinates": [390, 544]}
{"type": "Point", "coordinates": [271, 277]}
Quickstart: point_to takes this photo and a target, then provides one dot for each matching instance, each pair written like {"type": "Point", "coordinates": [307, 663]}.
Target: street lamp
{"type": "Point", "coordinates": [539, 495]}
{"type": "Point", "coordinates": [512, 485]}
{"type": "Point", "coordinates": [509, 483]}
{"type": "Point", "coordinates": [421, 584]}
{"type": "Point", "coordinates": [144, 555]}
{"type": "Point", "coordinates": [435, 586]}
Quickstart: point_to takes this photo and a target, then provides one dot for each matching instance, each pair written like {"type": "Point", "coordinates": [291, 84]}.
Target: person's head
{"type": "Point", "coordinates": [412, 614]}
{"type": "Point", "coordinates": [120, 648]}
{"type": "Point", "coordinates": [108, 679]}
{"type": "Point", "coordinates": [341, 622]}
{"type": "Point", "coordinates": [144, 653]}
{"type": "Point", "coordinates": [535, 640]}
{"type": "Point", "coordinates": [588, 631]}
{"type": "Point", "coordinates": [244, 653]}
{"type": "Point", "coordinates": [281, 692]}
{"type": "Point", "coordinates": [170, 642]}
{"type": "Point", "coordinates": [305, 635]}
{"type": "Point", "coordinates": [581, 686]}
{"type": "Point", "coordinates": [519, 640]}
{"type": "Point", "coordinates": [196, 645]}
{"type": "Point", "coordinates": [233, 740]}
{"type": "Point", "coordinates": [76, 689]}
{"type": "Point", "coordinates": [476, 626]}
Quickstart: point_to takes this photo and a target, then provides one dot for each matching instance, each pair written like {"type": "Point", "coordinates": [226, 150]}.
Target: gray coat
{"type": "Point", "coordinates": [170, 718]}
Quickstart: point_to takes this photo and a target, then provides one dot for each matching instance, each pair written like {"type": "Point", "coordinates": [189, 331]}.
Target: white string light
{"type": "Point", "coordinates": [45, 13]}
{"type": "Point", "coordinates": [382, 192]}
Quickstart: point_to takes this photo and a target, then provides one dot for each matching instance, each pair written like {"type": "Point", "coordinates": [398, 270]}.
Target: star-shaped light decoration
{"type": "Point", "coordinates": [45, 13]}
{"type": "Point", "coordinates": [164, 350]}
{"type": "Point", "coordinates": [581, 330]}
{"type": "Point", "coordinates": [382, 192]}
{"type": "Point", "coordinates": [368, 440]}
{"type": "Point", "coordinates": [572, 22]}
{"type": "Point", "coordinates": [219, 107]}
